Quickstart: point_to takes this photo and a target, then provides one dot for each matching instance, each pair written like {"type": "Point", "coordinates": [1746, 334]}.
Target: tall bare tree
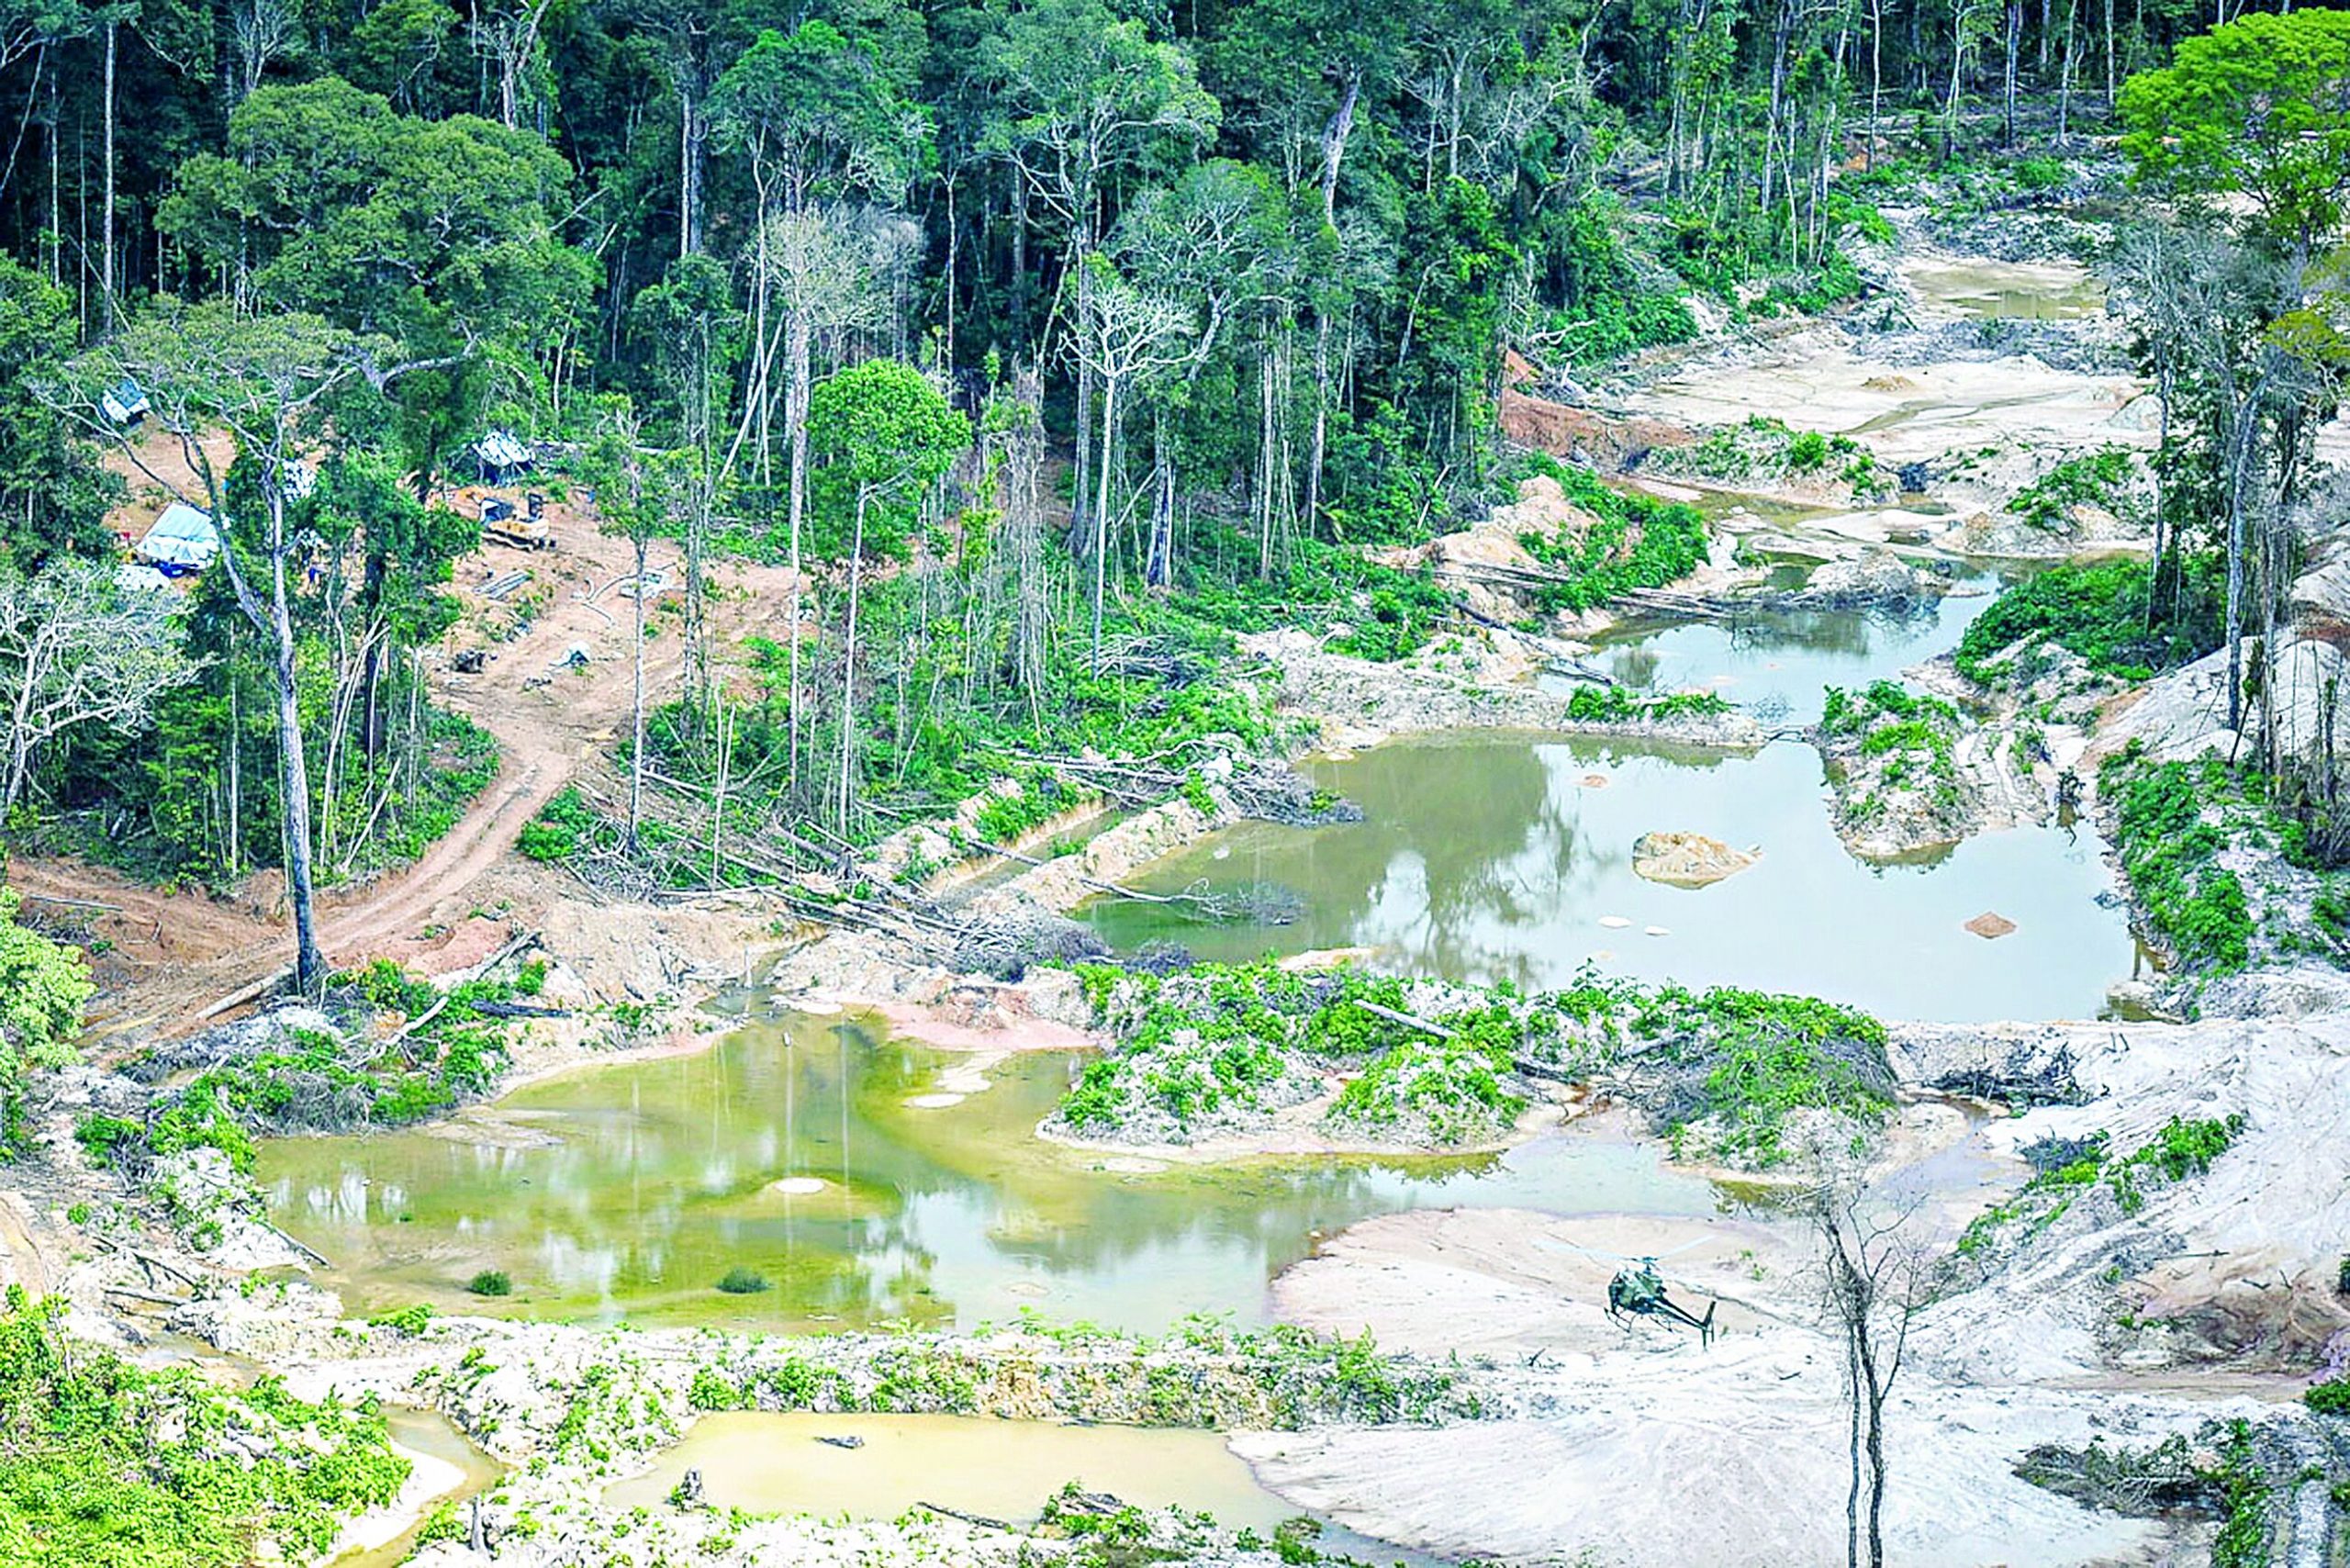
{"type": "Point", "coordinates": [1128, 332]}
{"type": "Point", "coordinates": [1872, 1279]}
{"type": "Point", "coordinates": [269, 386]}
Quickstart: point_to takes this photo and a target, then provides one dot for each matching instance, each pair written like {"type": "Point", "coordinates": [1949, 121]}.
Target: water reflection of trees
{"type": "Point", "coordinates": [657, 1187]}
{"type": "Point", "coordinates": [1471, 825]}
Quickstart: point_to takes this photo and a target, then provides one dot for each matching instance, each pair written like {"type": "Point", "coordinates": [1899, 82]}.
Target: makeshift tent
{"type": "Point", "coordinates": [501, 457]}
{"type": "Point", "coordinates": [183, 540]}
{"type": "Point", "coordinates": [124, 404]}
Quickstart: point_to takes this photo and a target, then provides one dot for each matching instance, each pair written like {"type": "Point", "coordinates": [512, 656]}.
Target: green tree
{"type": "Point", "coordinates": [441, 234]}
{"type": "Point", "coordinates": [54, 496]}
{"type": "Point", "coordinates": [2260, 109]}
{"type": "Point", "coordinates": [1080, 95]}
{"type": "Point", "coordinates": [44, 985]}
{"type": "Point", "coordinates": [887, 436]}
{"type": "Point", "coordinates": [818, 114]}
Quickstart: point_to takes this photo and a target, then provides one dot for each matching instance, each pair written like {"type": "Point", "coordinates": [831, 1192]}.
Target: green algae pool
{"type": "Point", "coordinates": [788, 1149]}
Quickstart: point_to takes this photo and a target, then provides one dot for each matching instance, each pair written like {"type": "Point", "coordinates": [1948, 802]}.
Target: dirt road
{"type": "Point", "coordinates": [163, 956]}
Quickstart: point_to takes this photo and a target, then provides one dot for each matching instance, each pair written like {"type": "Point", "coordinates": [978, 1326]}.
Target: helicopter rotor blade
{"type": "Point", "coordinates": [1559, 1244]}
{"type": "Point", "coordinates": [1556, 1244]}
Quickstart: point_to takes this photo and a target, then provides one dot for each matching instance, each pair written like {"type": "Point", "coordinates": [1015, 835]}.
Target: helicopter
{"type": "Point", "coordinates": [1639, 1291]}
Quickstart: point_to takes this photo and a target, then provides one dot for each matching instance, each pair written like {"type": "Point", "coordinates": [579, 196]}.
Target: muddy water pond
{"type": "Point", "coordinates": [1491, 856]}
{"type": "Point", "coordinates": [789, 1149]}
{"type": "Point", "coordinates": [1778, 665]}
{"type": "Point", "coordinates": [2031, 291]}
{"type": "Point", "coordinates": [1500, 858]}
{"type": "Point", "coordinates": [879, 1467]}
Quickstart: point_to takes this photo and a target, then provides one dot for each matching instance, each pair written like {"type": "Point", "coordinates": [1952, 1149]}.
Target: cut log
{"type": "Point", "coordinates": [311, 1253]}
{"type": "Point", "coordinates": [1408, 1020]}
{"type": "Point", "coordinates": [250, 993]}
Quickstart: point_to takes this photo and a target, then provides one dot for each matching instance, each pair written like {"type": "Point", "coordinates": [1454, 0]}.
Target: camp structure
{"type": "Point", "coordinates": [501, 457]}
{"type": "Point", "coordinates": [182, 540]}
{"type": "Point", "coordinates": [124, 402]}
{"type": "Point", "coordinates": [134, 577]}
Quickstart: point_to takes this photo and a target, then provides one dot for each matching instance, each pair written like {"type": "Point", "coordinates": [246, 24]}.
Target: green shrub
{"type": "Point", "coordinates": [108, 1465]}
{"type": "Point", "coordinates": [739, 1281]}
{"type": "Point", "coordinates": [491, 1281]}
{"type": "Point", "coordinates": [2094, 480]}
{"type": "Point", "coordinates": [712, 1390]}
{"type": "Point", "coordinates": [1762, 1058]}
{"type": "Point", "coordinates": [408, 1320]}
{"type": "Point", "coordinates": [1617, 705]}
{"type": "Point", "coordinates": [2099, 612]}
{"type": "Point", "coordinates": [2329, 1398]}
{"type": "Point", "coordinates": [2169, 838]}
{"type": "Point", "coordinates": [103, 1135]}
{"type": "Point", "coordinates": [1634, 542]}
{"type": "Point", "coordinates": [2244, 1495]}
{"type": "Point", "coordinates": [1040, 798]}
{"type": "Point", "coordinates": [565, 825]}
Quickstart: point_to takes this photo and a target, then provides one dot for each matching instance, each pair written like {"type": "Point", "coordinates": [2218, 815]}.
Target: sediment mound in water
{"type": "Point", "coordinates": [1688, 859]}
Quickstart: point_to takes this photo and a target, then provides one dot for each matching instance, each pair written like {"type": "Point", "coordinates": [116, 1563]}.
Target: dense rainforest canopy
{"type": "Point", "coordinates": [1224, 292]}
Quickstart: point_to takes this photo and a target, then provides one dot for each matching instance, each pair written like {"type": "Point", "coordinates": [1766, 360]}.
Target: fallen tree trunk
{"type": "Point", "coordinates": [1409, 1021]}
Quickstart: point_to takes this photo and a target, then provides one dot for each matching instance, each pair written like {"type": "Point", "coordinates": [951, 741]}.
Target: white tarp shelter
{"type": "Point", "coordinates": [135, 578]}
{"type": "Point", "coordinates": [124, 403]}
{"type": "Point", "coordinates": [501, 456]}
{"type": "Point", "coordinates": [183, 540]}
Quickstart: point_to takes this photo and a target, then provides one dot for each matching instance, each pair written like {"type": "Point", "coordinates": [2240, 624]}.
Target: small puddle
{"type": "Point", "coordinates": [430, 1435]}
{"type": "Point", "coordinates": [970, 1465]}
{"type": "Point", "coordinates": [651, 1180]}
{"type": "Point", "coordinates": [2022, 291]}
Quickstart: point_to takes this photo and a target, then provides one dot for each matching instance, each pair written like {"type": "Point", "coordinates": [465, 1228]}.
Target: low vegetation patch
{"type": "Point", "coordinates": [1891, 756]}
{"type": "Point", "coordinates": [1619, 705]}
{"type": "Point", "coordinates": [105, 1463]}
{"type": "Point", "coordinates": [2108, 615]}
{"type": "Point", "coordinates": [1221, 1048]}
{"type": "Point", "coordinates": [2222, 876]}
{"type": "Point", "coordinates": [443, 1047]}
{"type": "Point", "coordinates": [2172, 820]}
{"type": "Point", "coordinates": [1743, 1065]}
{"type": "Point", "coordinates": [2067, 1171]}
{"type": "Point", "coordinates": [1635, 542]}
{"type": "Point", "coordinates": [1203, 1372]}
{"type": "Point", "coordinates": [2100, 479]}
{"type": "Point", "coordinates": [1040, 795]}
{"type": "Point", "coordinates": [1769, 450]}
{"type": "Point", "coordinates": [1726, 1072]}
